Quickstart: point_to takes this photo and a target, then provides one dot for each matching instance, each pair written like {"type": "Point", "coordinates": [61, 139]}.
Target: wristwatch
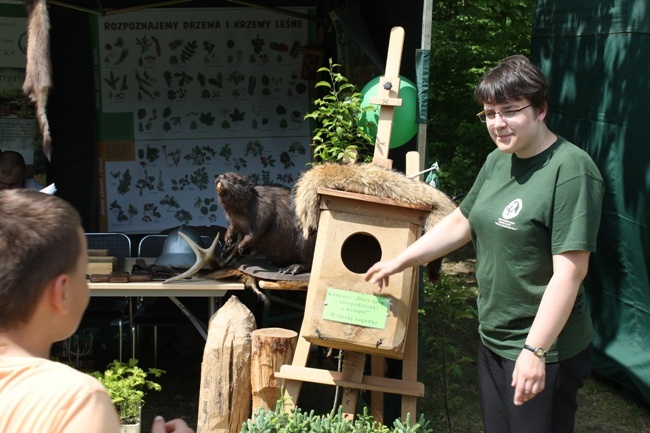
{"type": "Point", "coordinates": [538, 351]}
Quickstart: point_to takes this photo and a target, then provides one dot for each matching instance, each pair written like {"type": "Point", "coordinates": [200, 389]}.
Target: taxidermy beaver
{"type": "Point", "coordinates": [262, 218]}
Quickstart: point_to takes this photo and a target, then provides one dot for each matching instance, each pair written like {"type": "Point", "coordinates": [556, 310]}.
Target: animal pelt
{"type": "Point", "coordinates": [368, 179]}
{"type": "Point", "coordinates": [252, 282]}
{"type": "Point", "coordinates": [261, 218]}
{"type": "Point", "coordinates": [38, 71]}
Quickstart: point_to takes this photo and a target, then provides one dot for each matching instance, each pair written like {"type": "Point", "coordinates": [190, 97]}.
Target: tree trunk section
{"type": "Point", "coordinates": [225, 394]}
{"type": "Point", "coordinates": [272, 348]}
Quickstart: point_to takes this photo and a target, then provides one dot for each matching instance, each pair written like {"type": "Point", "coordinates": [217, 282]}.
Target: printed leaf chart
{"type": "Point", "coordinates": [187, 94]}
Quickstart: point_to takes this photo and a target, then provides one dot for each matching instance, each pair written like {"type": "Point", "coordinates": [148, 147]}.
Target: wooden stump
{"type": "Point", "coordinates": [272, 347]}
{"type": "Point", "coordinates": [225, 394]}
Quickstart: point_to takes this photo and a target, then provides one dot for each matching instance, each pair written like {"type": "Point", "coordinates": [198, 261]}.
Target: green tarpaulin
{"type": "Point", "coordinates": [596, 55]}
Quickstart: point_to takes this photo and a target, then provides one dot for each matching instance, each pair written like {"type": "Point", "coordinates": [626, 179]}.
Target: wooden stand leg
{"type": "Point", "coordinates": [377, 367]}
{"type": "Point", "coordinates": [293, 387]}
{"type": "Point", "coordinates": [410, 362]}
{"type": "Point", "coordinates": [352, 370]}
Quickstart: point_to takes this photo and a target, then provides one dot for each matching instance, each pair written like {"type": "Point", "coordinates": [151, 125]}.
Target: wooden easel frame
{"type": "Point", "coordinates": [388, 97]}
{"type": "Point", "coordinates": [351, 378]}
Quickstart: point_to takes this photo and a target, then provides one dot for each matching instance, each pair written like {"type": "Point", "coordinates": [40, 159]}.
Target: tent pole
{"type": "Point", "coordinates": [425, 45]}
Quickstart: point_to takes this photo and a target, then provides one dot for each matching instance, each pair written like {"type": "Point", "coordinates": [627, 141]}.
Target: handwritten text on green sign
{"type": "Point", "coordinates": [356, 308]}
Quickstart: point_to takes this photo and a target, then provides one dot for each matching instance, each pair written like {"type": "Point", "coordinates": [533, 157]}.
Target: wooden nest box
{"type": "Point", "coordinates": [342, 310]}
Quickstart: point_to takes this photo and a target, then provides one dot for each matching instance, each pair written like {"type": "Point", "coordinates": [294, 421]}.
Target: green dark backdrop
{"type": "Point", "coordinates": [596, 55]}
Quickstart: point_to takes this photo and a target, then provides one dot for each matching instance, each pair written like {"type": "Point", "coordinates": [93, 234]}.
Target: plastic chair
{"type": "Point", "coordinates": [152, 245]}
{"type": "Point", "coordinates": [118, 244]}
{"type": "Point", "coordinates": [156, 312]}
{"type": "Point", "coordinates": [102, 310]}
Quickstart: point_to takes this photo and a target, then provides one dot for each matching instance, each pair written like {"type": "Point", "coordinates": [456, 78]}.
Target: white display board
{"type": "Point", "coordinates": [17, 124]}
{"type": "Point", "coordinates": [186, 94]}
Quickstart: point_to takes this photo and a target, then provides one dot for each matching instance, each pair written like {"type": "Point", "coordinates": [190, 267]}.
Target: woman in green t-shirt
{"type": "Point", "coordinates": [533, 215]}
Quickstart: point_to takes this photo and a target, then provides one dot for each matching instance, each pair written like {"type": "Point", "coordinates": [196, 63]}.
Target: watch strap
{"type": "Point", "coordinates": [538, 351]}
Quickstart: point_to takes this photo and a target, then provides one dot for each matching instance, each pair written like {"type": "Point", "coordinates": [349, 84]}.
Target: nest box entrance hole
{"type": "Point", "coordinates": [359, 252]}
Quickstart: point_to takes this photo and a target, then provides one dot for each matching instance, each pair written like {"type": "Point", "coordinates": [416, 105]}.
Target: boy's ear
{"type": "Point", "coordinates": [58, 293]}
{"type": "Point", "coordinates": [542, 112]}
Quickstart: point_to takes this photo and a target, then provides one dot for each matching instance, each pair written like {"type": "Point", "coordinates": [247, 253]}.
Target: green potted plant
{"type": "Point", "coordinates": [340, 134]}
{"type": "Point", "coordinates": [126, 384]}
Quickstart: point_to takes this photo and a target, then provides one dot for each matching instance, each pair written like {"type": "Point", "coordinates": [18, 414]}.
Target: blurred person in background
{"type": "Point", "coordinates": [13, 172]}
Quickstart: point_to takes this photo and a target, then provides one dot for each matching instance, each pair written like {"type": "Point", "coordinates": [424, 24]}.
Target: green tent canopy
{"type": "Point", "coordinates": [596, 56]}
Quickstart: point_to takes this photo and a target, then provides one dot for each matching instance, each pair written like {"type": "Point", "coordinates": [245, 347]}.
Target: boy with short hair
{"type": "Point", "coordinates": [43, 294]}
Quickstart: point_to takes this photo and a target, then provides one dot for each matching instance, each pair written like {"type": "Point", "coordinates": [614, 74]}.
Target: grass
{"type": "Point", "coordinates": [604, 407]}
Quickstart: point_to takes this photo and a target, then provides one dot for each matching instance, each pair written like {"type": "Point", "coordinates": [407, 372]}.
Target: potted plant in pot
{"type": "Point", "coordinates": [126, 384]}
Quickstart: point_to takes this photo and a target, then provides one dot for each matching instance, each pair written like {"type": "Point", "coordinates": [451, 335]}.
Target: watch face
{"type": "Point", "coordinates": [538, 351]}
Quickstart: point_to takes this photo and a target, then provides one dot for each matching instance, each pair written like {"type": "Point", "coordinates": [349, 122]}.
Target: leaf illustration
{"type": "Point", "coordinates": [237, 116]}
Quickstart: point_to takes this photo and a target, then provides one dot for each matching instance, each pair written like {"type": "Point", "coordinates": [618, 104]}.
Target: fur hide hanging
{"type": "Point", "coordinates": [38, 71]}
{"type": "Point", "coordinates": [369, 179]}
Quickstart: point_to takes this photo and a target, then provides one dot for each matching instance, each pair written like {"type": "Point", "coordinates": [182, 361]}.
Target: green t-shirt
{"type": "Point", "coordinates": [521, 212]}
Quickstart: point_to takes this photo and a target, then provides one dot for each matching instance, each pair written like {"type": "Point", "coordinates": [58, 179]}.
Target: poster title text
{"type": "Point", "coordinates": [203, 25]}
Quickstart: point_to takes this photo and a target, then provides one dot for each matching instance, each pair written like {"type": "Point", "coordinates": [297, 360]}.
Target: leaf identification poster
{"type": "Point", "coordinates": [186, 94]}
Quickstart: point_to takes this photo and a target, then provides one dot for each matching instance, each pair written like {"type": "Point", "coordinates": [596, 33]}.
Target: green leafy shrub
{"type": "Point", "coordinates": [125, 383]}
{"type": "Point", "coordinates": [340, 131]}
{"type": "Point", "coordinates": [448, 307]}
{"type": "Point", "coordinates": [468, 38]}
{"type": "Point", "coordinates": [296, 421]}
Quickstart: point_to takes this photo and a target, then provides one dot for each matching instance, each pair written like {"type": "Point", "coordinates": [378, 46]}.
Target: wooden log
{"type": "Point", "coordinates": [272, 348]}
{"type": "Point", "coordinates": [225, 393]}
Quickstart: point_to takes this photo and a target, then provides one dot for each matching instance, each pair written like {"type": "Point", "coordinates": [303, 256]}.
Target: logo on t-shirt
{"type": "Point", "coordinates": [510, 211]}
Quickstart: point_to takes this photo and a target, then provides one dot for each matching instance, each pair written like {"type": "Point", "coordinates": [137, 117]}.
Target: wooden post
{"type": "Point", "coordinates": [271, 348]}
{"type": "Point", "coordinates": [225, 394]}
{"type": "Point", "coordinates": [388, 97]}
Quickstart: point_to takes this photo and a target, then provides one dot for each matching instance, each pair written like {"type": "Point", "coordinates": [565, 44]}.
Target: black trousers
{"type": "Point", "coordinates": [551, 411]}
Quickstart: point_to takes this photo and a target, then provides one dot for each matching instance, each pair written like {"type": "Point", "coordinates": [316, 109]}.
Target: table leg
{"type": "Point", "coordinates": [132, 325]}
{"type": "Point", "coordinates": [197, 324]}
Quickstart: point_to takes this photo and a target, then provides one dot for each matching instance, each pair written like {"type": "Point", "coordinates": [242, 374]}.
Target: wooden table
{"type": "Point", "coordinates": [191, 287]}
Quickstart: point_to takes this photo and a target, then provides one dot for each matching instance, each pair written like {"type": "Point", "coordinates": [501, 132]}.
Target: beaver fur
{"type": "Point", "coordinates": [261, 218]}
{"type": "Point", "coordinates": [369, 179]}
{"type": "Point", "coordinates": [38, 70]}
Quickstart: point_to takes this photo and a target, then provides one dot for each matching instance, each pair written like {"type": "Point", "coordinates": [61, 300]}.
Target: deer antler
{"type": "Point", "coordinates": [204, 258]}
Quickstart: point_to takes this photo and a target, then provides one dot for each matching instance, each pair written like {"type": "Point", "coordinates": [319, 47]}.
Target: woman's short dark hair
{"type": "Point", "coordinates": [514, 79]}
{"type": "Point", "coordinates": [39, 239]}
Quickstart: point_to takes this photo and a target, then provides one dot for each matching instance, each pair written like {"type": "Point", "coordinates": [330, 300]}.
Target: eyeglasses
{"type": "Point", "coordinates": [505, 114]}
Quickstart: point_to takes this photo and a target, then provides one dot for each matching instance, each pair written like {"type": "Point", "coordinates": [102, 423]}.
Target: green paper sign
{"type": "Point", "coordinates": [356, 308]}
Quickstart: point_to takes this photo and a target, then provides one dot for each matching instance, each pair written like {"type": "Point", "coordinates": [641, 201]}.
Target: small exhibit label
{"type": "Point", "coordinates": [356, 308]}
